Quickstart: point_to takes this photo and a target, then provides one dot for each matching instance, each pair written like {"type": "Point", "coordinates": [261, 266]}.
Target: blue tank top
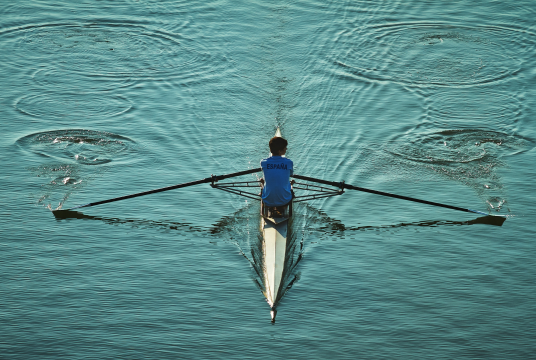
{"type": "Point", "coordinates": [277, 171]}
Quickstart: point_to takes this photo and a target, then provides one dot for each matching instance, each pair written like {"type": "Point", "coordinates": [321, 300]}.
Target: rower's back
{"type": "Point", "coordinates": [277, 170]}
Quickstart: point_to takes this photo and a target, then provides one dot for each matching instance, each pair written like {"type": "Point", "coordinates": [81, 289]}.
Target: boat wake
{"type": "Point", "coordinates": [243, 229]}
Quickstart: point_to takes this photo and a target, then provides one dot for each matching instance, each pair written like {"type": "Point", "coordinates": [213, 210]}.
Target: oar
{"type": "Point", "coordinates": [213, 178]}
{"type": "Point", "coordinates": [352, 187]}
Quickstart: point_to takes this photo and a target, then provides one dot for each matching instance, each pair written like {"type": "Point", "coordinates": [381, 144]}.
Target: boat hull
{"type": "Point", "coordinates": [275, 227]}
{"type": "Point", "coordinates": [274, 251]}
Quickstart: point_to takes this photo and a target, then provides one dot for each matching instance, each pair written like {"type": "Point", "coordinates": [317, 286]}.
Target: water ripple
{"type": "Point", "coordinates": [63, 77]}
{"type": "Point", "coordinates": [432, 53]}
{"type": "Point", "coordinates": [457, 146]}
{"type": "Point", "coordinates": [469, 156]}
{"type": "Point", "coordinates": [78, 146]}
{"type": "Point", "coordinates": [466, 107]}
{"type": "Point", "coordinates": [101, 52]}
{"type": "Point", "coordinates": [65, 105]}
{"type": "Point", "coordinates": [73, 158]}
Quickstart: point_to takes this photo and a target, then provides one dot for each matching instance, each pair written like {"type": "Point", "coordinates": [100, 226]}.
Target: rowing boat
{"type": "Point", "coordinates": [275, 227]}
{"type": "Point", "coordinates": [275, 223]}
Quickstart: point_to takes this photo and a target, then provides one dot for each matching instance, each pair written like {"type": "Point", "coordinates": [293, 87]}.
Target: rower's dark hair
{"type": "Point", "coordinates": [277, 144]}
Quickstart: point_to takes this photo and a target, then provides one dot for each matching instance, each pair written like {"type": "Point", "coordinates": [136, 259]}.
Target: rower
{"type": "Point", "coordinates": [277, 170]}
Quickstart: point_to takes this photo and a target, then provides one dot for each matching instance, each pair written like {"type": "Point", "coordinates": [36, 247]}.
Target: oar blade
{"type": "Point", "coordinates": [489, 220]}
{"type": "Point", "coordinates": [68, 214]}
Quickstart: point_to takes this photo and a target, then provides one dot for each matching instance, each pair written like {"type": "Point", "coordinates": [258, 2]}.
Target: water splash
{"type": "Point", "coordinates": [469, 156]}
{"type": "Point", "coordinates": [75, 157]}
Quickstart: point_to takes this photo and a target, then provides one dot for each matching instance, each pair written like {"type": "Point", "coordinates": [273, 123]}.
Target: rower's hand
{"type": "Point", "coordinates": [262, 181]}
{"type": "Point", "coordinates": [292, 182]}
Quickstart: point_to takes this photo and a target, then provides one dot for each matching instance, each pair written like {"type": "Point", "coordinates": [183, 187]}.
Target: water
{"type": "Point", "coordinates": [431, 100]}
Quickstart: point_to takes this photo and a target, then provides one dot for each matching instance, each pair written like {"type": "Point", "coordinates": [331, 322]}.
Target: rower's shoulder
{"type": "Point", "coordinates": [288, 160]}
{"type": "Point", "coordinates": [276, 158]}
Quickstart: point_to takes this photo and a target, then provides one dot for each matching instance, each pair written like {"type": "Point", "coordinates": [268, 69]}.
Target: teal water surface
{"type": "Point", "coordinates": [427, 99]}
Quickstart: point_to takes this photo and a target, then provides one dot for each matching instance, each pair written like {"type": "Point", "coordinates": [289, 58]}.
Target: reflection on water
{"type": "Point", "coordinates": [321, 223]}
{"type": "Point", "coordinates": [137, 223]}
{"type": "Point", "coordinates": [243, 229]}
{"type": "Point", "coordinates": [337, 227]}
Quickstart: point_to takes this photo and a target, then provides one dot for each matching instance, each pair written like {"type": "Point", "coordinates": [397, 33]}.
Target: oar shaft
{"type": "Point", "coordinates": [351, 187]}
{"type": "Point", "coordinates": [197, 182]}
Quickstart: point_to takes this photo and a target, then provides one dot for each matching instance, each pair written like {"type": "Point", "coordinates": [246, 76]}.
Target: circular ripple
{"type": "Point", "coordinates": [85, 147]}
{"type": "Point", "coordinates": [474, 108]}
{"type": "Point", "coordinates": [101, 52]}
{"type": "Point", "coordinates": [458, 146]}
{"type": "Point", "coordinates": [470, 157]}
{"type": "Point", "coordinates": [434, 54]}
{"type": "Point", "coordinates": [72, 105]}
{"type": "Point", "coordinates": [65, 78]}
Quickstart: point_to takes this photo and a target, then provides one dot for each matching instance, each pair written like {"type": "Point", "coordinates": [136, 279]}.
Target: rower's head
{"type": "Point", "coordinates": [278, 146]}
